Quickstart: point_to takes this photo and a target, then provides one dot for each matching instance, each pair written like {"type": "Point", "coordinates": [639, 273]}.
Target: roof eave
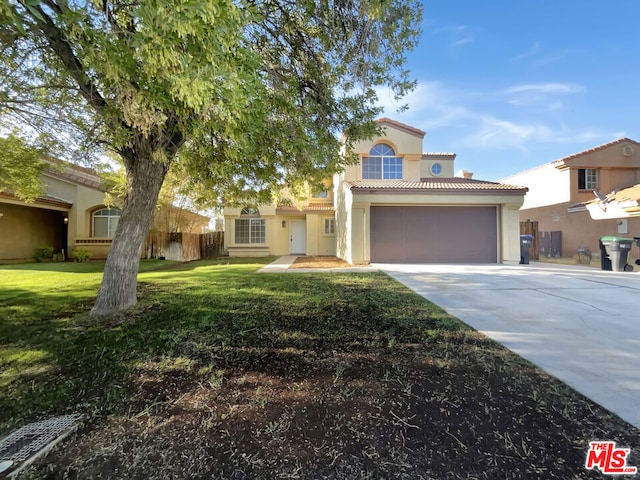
{"type": "Point", "coordinates": [441, 191]}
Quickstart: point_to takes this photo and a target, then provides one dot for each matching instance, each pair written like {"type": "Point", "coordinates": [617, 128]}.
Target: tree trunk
{"type": "Point", "coordinates": [119, 281]}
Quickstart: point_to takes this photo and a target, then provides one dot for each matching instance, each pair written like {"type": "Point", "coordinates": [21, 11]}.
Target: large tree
{"type": "Point", "coordinates": [244, 95]}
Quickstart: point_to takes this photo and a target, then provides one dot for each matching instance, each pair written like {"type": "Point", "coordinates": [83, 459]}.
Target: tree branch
{"type": "Point", "coordinates": [65, 53]}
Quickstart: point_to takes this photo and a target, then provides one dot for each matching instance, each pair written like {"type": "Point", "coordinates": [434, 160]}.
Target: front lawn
{"type": "Point", "coordinates": [223, 373]}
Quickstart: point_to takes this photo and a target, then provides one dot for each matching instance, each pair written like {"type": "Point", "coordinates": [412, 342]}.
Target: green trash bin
{"type": "Point", "coordinates": [618, 248]}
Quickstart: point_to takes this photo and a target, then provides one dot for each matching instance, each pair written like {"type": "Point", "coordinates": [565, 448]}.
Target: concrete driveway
{"type": "Point", "coordinates": [579, 324]}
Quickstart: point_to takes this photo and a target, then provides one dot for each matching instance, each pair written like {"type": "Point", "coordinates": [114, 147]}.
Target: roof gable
{"type": "Point", "coordinates": [400, 126]}
{"type": "Point", "coordinates": [621, 148]}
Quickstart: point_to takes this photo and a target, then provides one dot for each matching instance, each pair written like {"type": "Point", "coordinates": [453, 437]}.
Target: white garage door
{"type": "Point", "coordinates": [419, 234]}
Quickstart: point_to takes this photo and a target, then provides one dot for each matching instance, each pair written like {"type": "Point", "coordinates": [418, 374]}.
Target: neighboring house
{"type": "Point", "coordinates": [71, 214]}
{"type": "Point", "coordinates": [561, 193]}
{"type": "Point", "coordinates": [396, 205]}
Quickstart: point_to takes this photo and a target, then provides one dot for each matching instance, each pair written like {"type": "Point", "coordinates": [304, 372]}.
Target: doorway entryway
{"type": "Point", "coordinates": [298, 237]}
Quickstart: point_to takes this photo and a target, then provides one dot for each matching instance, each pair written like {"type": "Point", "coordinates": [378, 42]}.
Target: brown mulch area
{"type": "Point", "coordinates": [281, 414]}
{"type": "Point", "coordinates": [319, 262]}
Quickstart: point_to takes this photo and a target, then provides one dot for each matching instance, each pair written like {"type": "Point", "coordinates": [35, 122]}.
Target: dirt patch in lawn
{"type": "Point", "coordinates": [410, 413]}
{"type": "Point", "coordinates": [361, 379]}
{"type": "Point", "coordinates": [319, 262]}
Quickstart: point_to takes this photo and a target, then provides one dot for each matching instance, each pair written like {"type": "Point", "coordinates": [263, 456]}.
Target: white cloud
{"type": "Point", "coordinates": [458, 34]}
{"type": "Point", "coordinates": [463, 41]}
{"type": "Point", "coordinates": [478, 119]}
{"type": "Point", "coordinates": [541, 95]}
{"type": "Point", "coordinates": [498, 134]}
{"type": "Point", "coordinates": [545, 88]}
{"type": "Point", "coordinates": [533, 50]}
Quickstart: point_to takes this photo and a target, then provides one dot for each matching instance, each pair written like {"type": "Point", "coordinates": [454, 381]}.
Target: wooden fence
{"type": "Point", "coordinates": [211, 244]}
{"type": "Point", "coordinates": [531, 228]}
{"type": "Point", "coordinates": [183, 247]}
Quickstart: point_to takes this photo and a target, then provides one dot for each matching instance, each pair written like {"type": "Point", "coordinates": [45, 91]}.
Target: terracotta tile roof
{"type": "Point", "coordinates": [70, 175]}
{"type": "Point", "coordinates": [311, 208]}
{"type": "Point", "coordinates": [46, 199]}
{"type": "Point", "coordinates": [428, 155]}
{"type": "Point", "coordinates": [401, 126]}
{"type": "Point", "coordinates": [437, 185]}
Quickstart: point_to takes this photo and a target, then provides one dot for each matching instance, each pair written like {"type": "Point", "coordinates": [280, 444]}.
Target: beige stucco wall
{"type": "Point", "coordinates": [399, 140]}
{"type": "Point", "coordinates": [611, 156]}
{"type": "Point", "coordinates": [278, 233]}
{"type": "Point", "coordinates": [427, 163]}
{"type": "Point", "coordinates": [25, 228]}
{"type": "Point", "coordinates": [343, 204]}
{"type": "Point", "coordinates": [405, 145]}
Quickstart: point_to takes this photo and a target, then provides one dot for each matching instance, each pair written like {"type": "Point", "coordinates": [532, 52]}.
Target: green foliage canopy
{"type": "Point", "coordinates": [245, 94]}
{"type": "Point", "coordinates": [20, 168]}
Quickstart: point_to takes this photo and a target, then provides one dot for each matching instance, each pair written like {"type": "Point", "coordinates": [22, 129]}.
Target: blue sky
{"type": "Point", "coordinates": [508, 85]}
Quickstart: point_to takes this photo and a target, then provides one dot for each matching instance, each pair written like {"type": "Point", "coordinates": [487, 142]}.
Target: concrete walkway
{"type": "Point", "coordinates": [282, 264]}
{"type": "Point", "coordinates": [579, 324]}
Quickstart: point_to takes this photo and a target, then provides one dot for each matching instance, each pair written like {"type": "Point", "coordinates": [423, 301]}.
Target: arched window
{"type": "Point", "coordinates": [105, 222]}
{"type": "Point", "coordinates": [250, 228]}
{"type": "Point", "coordinates": [382, 163]}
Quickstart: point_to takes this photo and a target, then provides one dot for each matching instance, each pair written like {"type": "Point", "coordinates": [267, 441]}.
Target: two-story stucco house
{"type": "Point", "coordinates": [397, 204]}
{"type": "Point", "coordinates": [561, 193]}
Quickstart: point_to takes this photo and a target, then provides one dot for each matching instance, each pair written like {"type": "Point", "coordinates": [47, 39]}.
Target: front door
{"type": "Point", "coordinates": [298, 237]}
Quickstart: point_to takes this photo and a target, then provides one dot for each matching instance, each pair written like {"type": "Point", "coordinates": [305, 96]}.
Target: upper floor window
{"type": "Point", "coordinates": [250, 228]}
{"type": "Point", "coordinates": [382, 164]}
{"type": "Point", "coordinates": [320, 194]}
{"type": "Point", "coordinates": [587, 179]}
{"type": "Point", "coordinates": [105, 222]}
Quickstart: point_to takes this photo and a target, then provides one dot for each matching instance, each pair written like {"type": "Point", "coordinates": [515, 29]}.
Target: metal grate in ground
{"type": "Point", "coordinates": [25, 444]}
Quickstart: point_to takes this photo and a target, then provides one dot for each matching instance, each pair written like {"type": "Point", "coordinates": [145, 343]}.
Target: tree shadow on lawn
{"type": "Point", "coordinates": [229, 375]}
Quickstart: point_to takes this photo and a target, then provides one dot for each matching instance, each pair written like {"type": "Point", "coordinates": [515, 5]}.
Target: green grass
{"type": "Point", "coordinates": [55, 358]}
{"type": "Point", "coordinates": [219, 372]}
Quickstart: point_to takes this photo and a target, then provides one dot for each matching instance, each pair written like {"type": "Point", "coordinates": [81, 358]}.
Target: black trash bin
{"type": "Point", "coordinates": [617, 249]}
{"type": "Point", "coordinates": [605, 261]}
{"type": "Point", "coordinates": [525, 247]}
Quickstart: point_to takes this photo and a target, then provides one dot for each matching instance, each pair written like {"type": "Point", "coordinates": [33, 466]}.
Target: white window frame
{"type": "Point", "coordinates": [329, 227]}
{"type": "Point", "coordinates": [382, 163]}
{"type": "Point", "coordinates": [590, 179]}
{"type": "Point", "coordinates": [112, 220]}
{"type": "Point", "coordinates": [250, 225]}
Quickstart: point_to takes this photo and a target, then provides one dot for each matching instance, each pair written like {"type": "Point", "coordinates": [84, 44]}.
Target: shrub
{"type": "Point", "coordinates": [81, 254]}
{"type": "Point", "coordinates": [41, 253]}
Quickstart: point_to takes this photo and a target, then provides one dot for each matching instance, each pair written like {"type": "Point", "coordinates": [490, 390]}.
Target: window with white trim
{"type": "Point", "coordinates": [250, 228]}
{"type": "Point", "coordinates": [587, 179]}
{"type": "Point", "coordinates": [382, 163]}
{"type": "Point", "coordinates": [329, 226]}
{"type": "Point", "coordinates": [105, 221]}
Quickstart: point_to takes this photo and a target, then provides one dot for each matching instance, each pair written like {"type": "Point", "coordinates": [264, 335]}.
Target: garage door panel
{"type": "Point", "coordinates": [423, 234]}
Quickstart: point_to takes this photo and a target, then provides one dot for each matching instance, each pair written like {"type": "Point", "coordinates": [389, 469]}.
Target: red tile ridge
{"type": "Point", "coordinates": [401, 126]}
